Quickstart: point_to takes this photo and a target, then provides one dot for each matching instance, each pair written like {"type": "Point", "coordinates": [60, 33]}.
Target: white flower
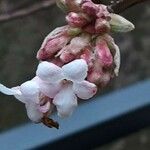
{"type": "Point", "coordinates": [72, 77]}
{"type": "Point", "coordinates": [29, 94]}
{"type": "Point", "coordinates": [63, 85]}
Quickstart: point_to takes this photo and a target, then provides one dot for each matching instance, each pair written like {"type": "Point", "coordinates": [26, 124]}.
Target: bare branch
{"type": "Point", "coordinates": [44, 4]}
{"type": "Point", "coordinates": [119, 6]}
{"type": "Point", "coordinates": [122, 5]}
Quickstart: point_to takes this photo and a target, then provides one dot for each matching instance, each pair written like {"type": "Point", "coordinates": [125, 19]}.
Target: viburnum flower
{"type": "Point", "coordinates": [73, 84]}
{"type": "Point", "coordinates": [54, 86]}
{"type": "Point", "coordinates": [29, 94]}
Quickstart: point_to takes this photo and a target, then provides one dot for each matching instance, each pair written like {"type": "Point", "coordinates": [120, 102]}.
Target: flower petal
{"type": "Point", "coordinates": [65, 102]}
{"type": "Point", "coordinates": [48, 89]}
{"type": "Point", "coordinates": [30, 91]}
{"type": "Point", "coordinates": [20, 97]}
{"type": "Point", "coordinates": [44, 108]}
{"type": "Point", "coordinates": [9, 91]}
{"type": "Point", "coordinates": [54, 34]}
{"type": "Point", "coordinates": [75, 70]}
{"type": "Point", "coordinates": [33, 113]}
{"type": "Point", "coordinates": [49, 72]}
{"type": "Point", "coordinates": [84, 89]}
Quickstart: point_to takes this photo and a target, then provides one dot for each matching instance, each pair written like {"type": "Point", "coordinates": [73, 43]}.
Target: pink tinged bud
{"type": "Point", "coordinates": [103, 12]}
{"type": "Point", "coordinates": [90, 28]}
{"type": "Point", "coordinates": [66, 57]}
{"type": "Point", "coordinates": [105, 79]}
{"type": "Point", "coordinates": [87, 55]}
{"type": "Point", "coordinates": [77, 44]}
{"type": "Point", "coordinates": [90, 8]}
{"type": "Point", "coordinates": [103, 53]}
{"type": "Point", "coordinates": [102, 26]}
{"type": "Point", "coordinates": [77, 19]}
{"type": "Point", "coordinates": [94, 77]}
{"type": "Point", "coordinates": [99, 78]}
{"type": "Point", "coordinates": [57, 33]}
{"type": "Point", "coordinates": [75, 47]}
{"type": "Point", "coordinates": [115, 51]}
{"type": "Point", "coordinates": [42, 55]}
{"type": "Point", "coordinates": [52, 47]}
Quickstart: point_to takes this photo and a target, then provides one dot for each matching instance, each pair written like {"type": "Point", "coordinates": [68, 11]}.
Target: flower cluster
{"type": "Point", "coordinates": [76, 59]}
{"type": "Point", "coordinates": [53, 86]}
{"type": "Point", "coordinates": [87, 36]}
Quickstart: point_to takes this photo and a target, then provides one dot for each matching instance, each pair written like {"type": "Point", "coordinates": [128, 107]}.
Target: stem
{"type": "Point", "coordinates": [124, 4]}
{"type": "Point", "coordinates": [120, 5]}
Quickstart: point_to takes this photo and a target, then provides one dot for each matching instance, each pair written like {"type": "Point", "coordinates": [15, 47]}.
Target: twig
{"type": "Point", "coordinates": [119, 6]}
{"type": "Point", "coordinates": [26, 11]}
{"type": "Point", "coordinates": [122, 5]}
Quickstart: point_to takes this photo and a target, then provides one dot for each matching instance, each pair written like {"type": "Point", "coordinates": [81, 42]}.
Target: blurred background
{"type": "Point", "coordinates": [20, 40]}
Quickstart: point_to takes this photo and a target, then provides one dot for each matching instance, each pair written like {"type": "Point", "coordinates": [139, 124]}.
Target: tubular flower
{"type": "Point", "coordinates": [53, 86]}
{"type": "Point", "coordinates": [75, 60]}
{"type": "Point", "coordinates": [73, 84]}
{"type": "Point", "coordinates": [29, 94]}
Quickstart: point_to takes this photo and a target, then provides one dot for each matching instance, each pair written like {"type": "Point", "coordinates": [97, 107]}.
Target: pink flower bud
{"type": "Point", "coordinates": [77, 19]}
{"type": "Point", "coordinates": [66, 56]}
{"type": "Point", "coordinates": [75, 47]}
{"type": "Point", "coordinates": [103, 12]}
{"type": "Point", "coordinates": [102, 26]}
{"type": "Point", "coordinates": [103, 53]}
{"type": "Point", "coordinates": [94, 77]}
{"type": "Point", "coordinates": [78, 43]}
{"type": "Point", "coordinates": [50, 48]}
{"type": "Point", "coordinates": [90, 28]}
{"type": "Point", "coordinates": [115, 52]}
{"type": "Point", "coordinates": [42, 55]}
{"type": "Point", "coordinates": [88, 56]}
{"type": "Point", "coordinates": [90, 8]}
{"type": "Point", "coordinates": [99, 78]}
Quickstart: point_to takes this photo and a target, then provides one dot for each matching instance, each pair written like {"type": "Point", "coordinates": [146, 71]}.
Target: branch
{"type": "Point", "coordinates": [123, 5]}
{"type": "Point", "coordinates": [26, 11]}
{"type": "Point", "coordinates": [120, 5]}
